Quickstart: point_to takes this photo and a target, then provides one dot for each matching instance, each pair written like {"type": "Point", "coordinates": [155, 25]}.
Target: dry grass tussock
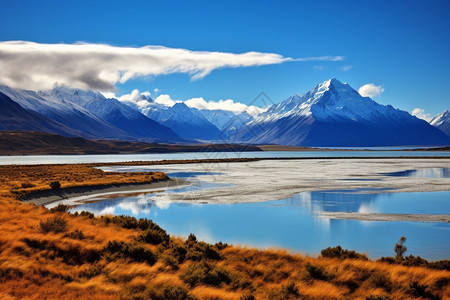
{"type": "Point", "coordinates": [54, 254]}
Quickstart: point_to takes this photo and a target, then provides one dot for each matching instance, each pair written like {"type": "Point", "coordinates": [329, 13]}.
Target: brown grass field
{"type": "Point", "coordinates": [53, 254]}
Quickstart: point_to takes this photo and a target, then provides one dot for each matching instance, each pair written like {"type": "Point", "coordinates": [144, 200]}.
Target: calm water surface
{"type": "Point", "coordinates": [63, 159]}
{"type": "Point", "coordinates": [294, 223]}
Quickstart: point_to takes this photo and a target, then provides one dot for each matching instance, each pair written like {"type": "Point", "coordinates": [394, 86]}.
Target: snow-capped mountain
{"type": "Point", "coordinates": [65, 112]}
{"type": "Point", "coordinates": [334, 114]}
{"type": "Point", "coordinates": [15, 117]}
{"type": "Point", "coordinates": [90, 115]}
{"type": "Point", "coordinates": [115, 112]}
{"type": "Point", "coordinates": [442, 122]}
{"type": "Point", "coordinates": [188, 123]}
{"type": "Point", "coordinates": [227, 121]}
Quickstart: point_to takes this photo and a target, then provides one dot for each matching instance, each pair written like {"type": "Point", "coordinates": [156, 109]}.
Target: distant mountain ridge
{"type": "Point", "coordinates": [333, 114]}
{"type": "Point", "coordinates": [90, 115]}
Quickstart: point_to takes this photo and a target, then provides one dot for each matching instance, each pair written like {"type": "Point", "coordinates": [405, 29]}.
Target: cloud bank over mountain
{"type": "Point", "coordinates": [371, 90]}
{"type": "Point", "coordinates": [100, 67]}
{"type": "Point", "coordinates": [142, 100]}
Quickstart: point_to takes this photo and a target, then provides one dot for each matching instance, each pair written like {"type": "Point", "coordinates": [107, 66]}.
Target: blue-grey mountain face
{"type": "Point", "coordinates": [65, 112]}
{"type": "Point", "coordinates": [90, 115]}
{"type": "Point", "coordinates": [127, 119]}
{"type": "Point", "coordinates": [187, 122]}
{"type": "Point", "coordinates": [442, 122]}
{"type": "Point", "coordinates": [15, 117]}
{"type": "Point", "coordinates": [227, 121]}
{"type": "Point", "coordinates": [333, 114]}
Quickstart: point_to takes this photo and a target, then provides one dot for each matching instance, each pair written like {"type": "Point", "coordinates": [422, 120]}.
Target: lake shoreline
{"type": "Point", "coordinates": [47, 197]}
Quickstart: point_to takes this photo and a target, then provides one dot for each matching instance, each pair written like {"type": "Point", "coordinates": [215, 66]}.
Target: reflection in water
{"type": "Point", "coordinates": [422, 173]}
{"type": "Point", "coordinates": [335, 201]}
{"type": "Point", "coordinates": [293, 223]}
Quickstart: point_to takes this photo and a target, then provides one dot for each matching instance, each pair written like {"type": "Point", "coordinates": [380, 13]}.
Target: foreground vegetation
{"type": "Point", "coordinates": [51, 253]}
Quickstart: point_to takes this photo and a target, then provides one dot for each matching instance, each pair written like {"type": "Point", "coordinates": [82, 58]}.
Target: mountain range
{"type": "Point", "coordinates": [332, 114]}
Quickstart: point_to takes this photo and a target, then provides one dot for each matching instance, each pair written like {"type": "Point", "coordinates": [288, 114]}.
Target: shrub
{"type": "Point", "coordinates": [77, 234]}
{"type": "Point", "coordinates": [136, 252]}
{"type": "Point", "coordinates": [154, 236]}
{"type": "Point", "coordinates": [86, 214]}
{"type": "Point", "coordinates": [338, 252]}
{"type": "Point", "coordinates": [316, 272]}
{"type": "Point", "coordinates": [54, 185]}
{"type": "Point", "coordinates": [167, 292]}
{"type": "Point", "coordinates": [247, 297]}
{"type": "Point", "coordinates": [170, 261]}
{"type": "Point", "coordinates": [420, 290]}
{"type": "Point", "coordinates": [55, 224]}
{"type": "Point", "coordinates": [91, 271]}
{"type": "Point", "coordinates": [202, 272]}
{"type": "Point", "coordinates": [289, 291]}
{"type": "Point", "coordinates": [200, 250]}
{"type": "Point", "coordinates": [26, 185]}
{"type": "Point", "coordinates": [379, 280]}
{"type": "Point", "coordinates": [60, 208]}
{"type": "Point", "coordinates": [191, 238]}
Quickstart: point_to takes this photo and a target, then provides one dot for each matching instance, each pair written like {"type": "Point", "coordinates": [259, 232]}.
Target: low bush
{"type": "Point", "coordinates": [338, 252]}
{"type": "Point", "coordinates": [91, 271]}
{"type": "Point", "coordinates": [154, 236]}
{"type": "Point", "coordinates": [77, 234]}
{"type": "Point", "coordinates": [316, 272]}
{"type": "Point", "coordinates": [379, 279]}
{"type": "Point", "coordinates": [115, 250]}
{"type": "Point", "coordinates": [420, 290]}
{"type": "Point", "coordinates": [26, 185]}
{"type": "Point", "coordinates": [417, 261]}
{"type": "Point", "coordinates": [56, 224]}
{"type": "Point", "coordinates": [202, 272]}
{"type": "Point", "coordinates": [54, 185]}
{"type": "Point", "coordinates": [60, 208]}
{"type": "Point", "coordinates": [289, 291]}
{"type": "Point", "coordinates": [167, 292]}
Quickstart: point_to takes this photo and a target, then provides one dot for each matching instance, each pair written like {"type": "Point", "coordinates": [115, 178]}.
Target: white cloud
{"type": "Point", "coordinates": [99, 67]}
{"type": "Point", "coordinates": [370, 90]}
{"type": "Point", "coordinates": [139, 100]}
{"type": "Point", "coordinates": [108, 95]}
{"type": "Point", "coordinates": [346, 68]}
{"type": "Point", "coordinates": [420, 113]}
{"type": "Point", "coordinates": [156, 90]}
{"type": "Point", "coordinates": [228, 104]}
{"type": "Point", "coordinates": [165, 99]}
{"type": "Point", "coordinates": [319, 68]}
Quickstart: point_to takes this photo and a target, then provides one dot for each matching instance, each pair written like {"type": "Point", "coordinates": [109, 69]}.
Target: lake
{"type": "Point", "coordinates": [64, 159]}
{"type": "Point", "coordinates": [295, 222]}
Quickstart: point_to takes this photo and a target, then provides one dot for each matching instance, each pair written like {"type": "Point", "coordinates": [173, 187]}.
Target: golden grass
{"type": "Point", "coordinates": [34, 265]}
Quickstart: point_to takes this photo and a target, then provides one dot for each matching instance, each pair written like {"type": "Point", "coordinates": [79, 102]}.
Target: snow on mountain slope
{"type": "Point", "coordinates": [187, 122]}
{"type": "Point", "coordinates": [442, 122]}
{"type": "Point", "coordinates": [92, 115]}
{"type": "Point", "coordinates": [66, 112]}
{"type": "Point", "coordinates": [334, 114]}
{"type": "Point", "coordinates": [117, 113]}
{"type": "Point", "coordinates": [15, 117]}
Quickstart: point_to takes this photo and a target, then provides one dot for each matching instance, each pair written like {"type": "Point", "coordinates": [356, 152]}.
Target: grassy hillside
{"type": "Point", "coordinates": [54, 254]}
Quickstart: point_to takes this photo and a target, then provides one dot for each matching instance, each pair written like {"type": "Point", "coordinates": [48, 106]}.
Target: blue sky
{"type": "Point", "coordinates": [402, 46]}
